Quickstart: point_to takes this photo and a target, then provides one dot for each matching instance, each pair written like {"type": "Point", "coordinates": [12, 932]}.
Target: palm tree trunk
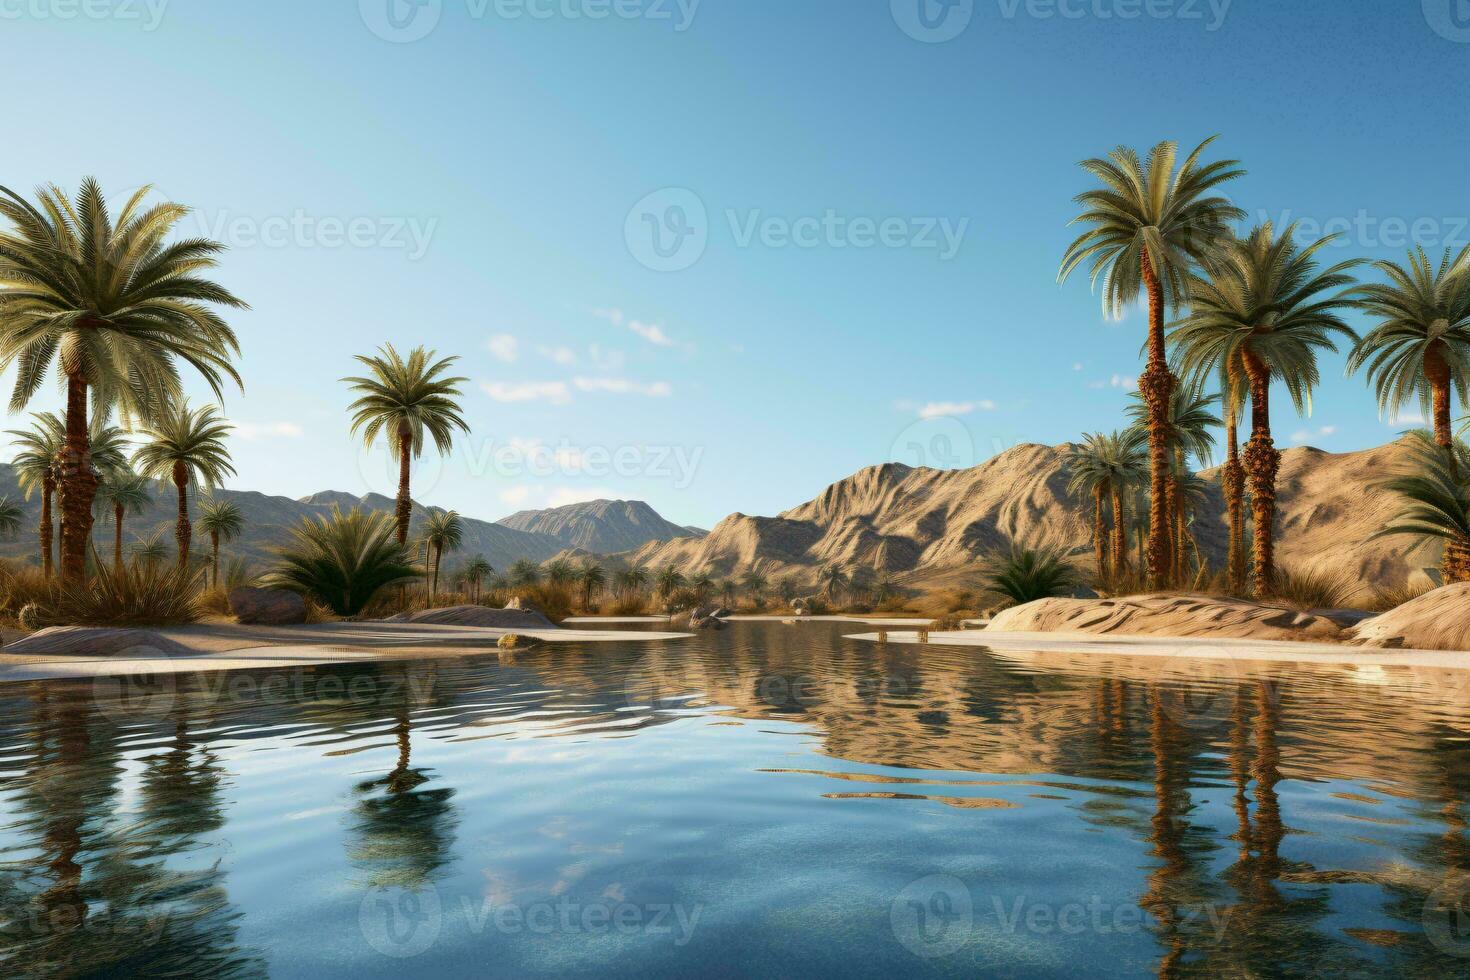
{"type": "Point", "coordinates": [183, 530]}
{"type": "Point", "coordinates": [436, 554]}
{"type": "Point", "coordinates": [77, 482]}
{"type": "Point", "coordinates": [1233, 480]}
{"type": "Point", "coordinates": [1120, 534]}
{"type": "Point", "coordinates": [1157, 386]}
{"type": "Point", "coordinates": [1261, 463]}
{"type": "Point", "coordinates": [1099, 534]}
{"type": "Point", "coordinates": [405, 473]}
{"type": "Point", "coordinates": [1181, 523]}
{"type": "Point", "coordinates": [1455, 566]}
{"type": "Point", "coordinates": [214, 546]}
{"type": "Point", "coordinates": [47, 529]}
{"type": "Point", "coordinates": [117, 520]}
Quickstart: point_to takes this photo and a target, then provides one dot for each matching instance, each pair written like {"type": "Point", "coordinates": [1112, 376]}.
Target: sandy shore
{"type": "Point", "coordinates": [865, 620]}
{"type": "Point", "coordinates": [235, 647]}
{"type": "Point", "coordinates": [1186, 648]}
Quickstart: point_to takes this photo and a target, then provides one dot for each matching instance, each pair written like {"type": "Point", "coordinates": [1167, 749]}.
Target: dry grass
{"type": "Point", "coordinates": [1304, 590]}
{"type": "Point", "coordinates": [1384, 599]}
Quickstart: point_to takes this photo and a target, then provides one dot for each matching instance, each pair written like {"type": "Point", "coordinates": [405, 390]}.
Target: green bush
{"type": "Point", "coordinates": [1026, 574]}
{"type": "Point", "coordinates": [342, 561]}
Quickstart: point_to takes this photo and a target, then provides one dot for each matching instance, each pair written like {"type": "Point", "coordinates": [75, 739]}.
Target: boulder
{"type": "Point", "coordinates": [267, 607]}
{"type": "Point", "coordinates": [96, 641]}
{"type": "Point", "coordinates": [707, 618]}
{"type": "Point", "coordinates": [508, 618]}
{"type": "Point", "coordinates": [1168, 614]}
{"type": "Point", "coordinates": [1438, 620]}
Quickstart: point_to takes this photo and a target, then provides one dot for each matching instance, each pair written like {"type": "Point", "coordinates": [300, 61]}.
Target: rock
{"type": "Point", "coordinates": [267, 607]}
{"type": "Point", "coordinates": [480, 616]}
{"type": "Point", "coordinates": [1438, 620]}
{"type": "Point", "coordinates": [1167, 614]}
{"type": "Point", "coordinates": [519, 604]}
{"type": "Point", "coordinates": [707, 618]}
{"type": "Point", "coordinates": [96, 641]}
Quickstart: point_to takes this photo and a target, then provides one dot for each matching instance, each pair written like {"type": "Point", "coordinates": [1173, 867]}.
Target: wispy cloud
{"type": "Point", "coordinates": [1409, 418]}
{"type": "Point", "coordinates": [559, 355]}
{"type": "Point", "coordinates": [252, 431]}
{"type": "Point", "coordinates": [555, 392]}
{"type": "Point", "coordinates": [651, 332]}
{"type": "Point", "coordinates": [1123, 382]}
{"type": "Point", "coordinates": [935, 410]}
{"type": "Point", "coordinates": [623, 386]}
{"type": "Point", "coordinates": [503, 347]}
{"type": "Point", "coordinates": [1307, 435]}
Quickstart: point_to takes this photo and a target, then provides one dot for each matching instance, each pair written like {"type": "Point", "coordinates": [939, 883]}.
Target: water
{"type": "Point", "coordinates": [770, 800]}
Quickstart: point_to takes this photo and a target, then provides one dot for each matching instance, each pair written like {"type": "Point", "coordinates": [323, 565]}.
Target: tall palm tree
{"type": "Point", "coordinates": [186, 447]}
{"type": "Point", "coordinates": [113, 305]}
{"type": "Point", "coordinates": [1267, 303]}
{"type": "Point", "coordinates": [1152, 226]}
{"type": "Point", "coordinates": [1114, 463]}
{"type": "Point", "coordinates": [402, 400]}
{"type": "Point", "coordinates": [592, 578]}
{"type": "Point", "coordinates": [1089, 476]}
{"type": "Point", "coordinates": [443, 531]}
{"type": "Point", "coordinates": [834, 580]}
{"type": "Point", "coordinates": [1421, 346]}
{"type": "Point", "coordinates": [1187, 429]}
{"type": "Point", "coordinates": [11, 515]}
{"type": "Point", "coordinates": [125, 493]}
{"type": "Point", "coordinates": [38, 464]}
{"type": "Point", "coordinates": [702, 584]}
{"type": "Point", "coordinates": [561, 575]}
{"type": "Point", "coordinates": [667, 581]}
{"type": "Point", "coordinates": [475, 572]}
{"type": "Point", "coordinates": [632, 581]}
{"type": "Point", "coordinates": [223, 522]}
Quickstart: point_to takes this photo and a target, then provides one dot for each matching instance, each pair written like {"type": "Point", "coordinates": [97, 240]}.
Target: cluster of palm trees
{"type": "Point", "coordinates": [1251, 311]}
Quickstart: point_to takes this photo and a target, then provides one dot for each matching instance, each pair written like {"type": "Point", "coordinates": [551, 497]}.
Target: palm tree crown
{"type": "Point", "coordinates": [223, 522]}
{"type": "Point", "coordinates": [186, 446]}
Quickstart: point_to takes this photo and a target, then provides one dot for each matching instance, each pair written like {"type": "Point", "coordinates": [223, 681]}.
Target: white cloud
{"type": "Point", "coordinates": [1410, 418]}
{"type": "Point", "coordinates": [560, 355]}
{"type": "Point", "coordinates": [651, 332]}
{"type": "Point", "coordinates": [935, 410]}
{"type": "Point", "coordinates": [622, 386]}
{"type": "Point", "coordinates": [503, 347]}
{"type": "Point", "coordinates": [606, 359]}
{"type": "Point", "coordinates": [251, 431]}
{"type": "Point", "coordinates": [515, 496]}
{"type": "Point", "coordinates": [1077, 366]}
{"type": "Point", "coordinates": [1124, 382]}
{"type": "Point", "coordinates": [555, 392]}
{"type": "Point", "coordinates": [1307, 435]}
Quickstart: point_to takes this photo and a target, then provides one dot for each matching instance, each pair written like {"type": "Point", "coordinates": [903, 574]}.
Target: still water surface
{"type": "Point", "coordinates": [769, 800]}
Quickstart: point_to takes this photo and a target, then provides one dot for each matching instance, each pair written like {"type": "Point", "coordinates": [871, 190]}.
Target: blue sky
{"type": "Point", "coordinates": [860, 223]}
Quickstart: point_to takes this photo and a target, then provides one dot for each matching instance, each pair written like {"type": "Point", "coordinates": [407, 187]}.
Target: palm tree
{"type": "Point", "coordinates": [402, 400]}
{"type": "Point", "coordinates": [755, 586]}
{"type": "Point", "coordinates": [186, 446]}
{"type": "Point", "coordinates": [667, 581]}
{"type": "Point", "coordinates": [113, 305]}
{"type": "Point", "coordinates": [1267, 303]}
{"type": "Point", "coordinates": [342, 561]}
{"type": "Point", "coordinates": [1421, 346]}
{"type": "Point", "coordinates": [1109, 466]}
{"type": "Point", "coordinates": [729, 591]}
{"type": "Point", "coordinates": [592, 578]}
{"type": "Point", "coordinates": [786, 590]}
{"type": "Point", "coordinates": [632, 581]}
{"type": "Point", "coordinates": [1188, 432]}
{"type": "Point", "coordinates": [1089, 476]}
{"type": "Point", "coordinates": [150, 550]}
{"type": "Point", "coordinates": [524, 573]}
{"type": "Point", "coordinates": [41, 447]}
{"type": "Point", "coordinates": [1435, 490]}
{"type": "Point", "coordinates": [126, 493]}
{"type": "Point", "coordinates": [443, 531]}
{"type": "Point", "coordinates": [11, 515]}
{"type": "Point", "coordinates": [834, 580]}
{"type": "Point", "coordinates": [1152, 226]}
{"type": "Point", "coordinates": [561, 575]}
{"type": "Point", "coordinates": [222, 521]}
{"type": "Point", "coordinates": [475, 572]}
{"type": "Point", "coordinates": [702, 584]}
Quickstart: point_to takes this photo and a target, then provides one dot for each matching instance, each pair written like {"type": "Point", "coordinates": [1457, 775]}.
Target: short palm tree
{"type": "Point", "coordinates": [443, 531]}
{"type": "Point", "coordinates": [524, 573]}
{"type": "Point", "coordinates": [11, 515]}
{"type": "Point", "coordinates": [186, 447]}
{"type": "Point", "coordinates": [113, 305]}
{"type": "Point", "coordinates": [125, 494]}
{"type": "Point", "coordinates": [632, 582]}
{"type": "Point", "coordinates": [1088, 476]}
{"type": "Point", "coordinates": [1026, 574]}
{"type": "Point", "coordinates": [702, 584]}
{"type": "Point", "coordinates": [667, 581]}
{"type": "Point", "coordinates": [404, 400]}
{"type": "Point", "coordinates": [561, 575]}
{"type": "Point", "coordinates": [150, 550]}
{"type": "Point", "coordinates": [833, 579]}
{"type": "Point", "coordinates": [1267, 302]}
{"type": "Point", "coordinates": [1421, 346]}
{"type": "Point", "coordinates": [787, 591]}
{"type": "Point", "coordinates": [1114, 464]}
{"type": "Point", "coordinates": [729, 591]}
{"type": "Point", "coordinates": [755, 586]}
{"type": "Point", "coordinates": [223, 522]}
{"type": "Point", "coordinates": [342, 561]}
{"type": "Point", "coordinates": [475, 572]}
{"type": "Point", "coordinates": [1152, 225]}
{"type": "Point", "coordinates": [592, 579]}
{"type": "Point", "coordinates": [1435, 491]}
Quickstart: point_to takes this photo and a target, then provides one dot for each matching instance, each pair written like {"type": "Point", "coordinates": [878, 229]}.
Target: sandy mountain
{"type": "Point", "coordinates": [926, 526]}
{"type": "Point", "coordinates": [600, 526]}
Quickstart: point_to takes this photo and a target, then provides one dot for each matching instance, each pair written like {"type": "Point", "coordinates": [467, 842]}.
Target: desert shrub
{"type": "Point", "coordinates": [342, 561]}
{"type": "Point", "coordinates": [554, 602]}
{"type": "Point", "coordinates": [1026, 574]}
{"type": "Point", "coordinates": [682, 599]}
{"type": "Point", "coordinates": [135, 594]}
{"type": "Point", "coordinates": [21, 586]}
{"type": "Point", "coordinates": [1300, 589]}
{"type": "Point", "coordinates": [817, 606]}
{"type": "Point", "coordinates": [1391, 597]}
{"type": "Point", "coordinates": [630, 604]}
